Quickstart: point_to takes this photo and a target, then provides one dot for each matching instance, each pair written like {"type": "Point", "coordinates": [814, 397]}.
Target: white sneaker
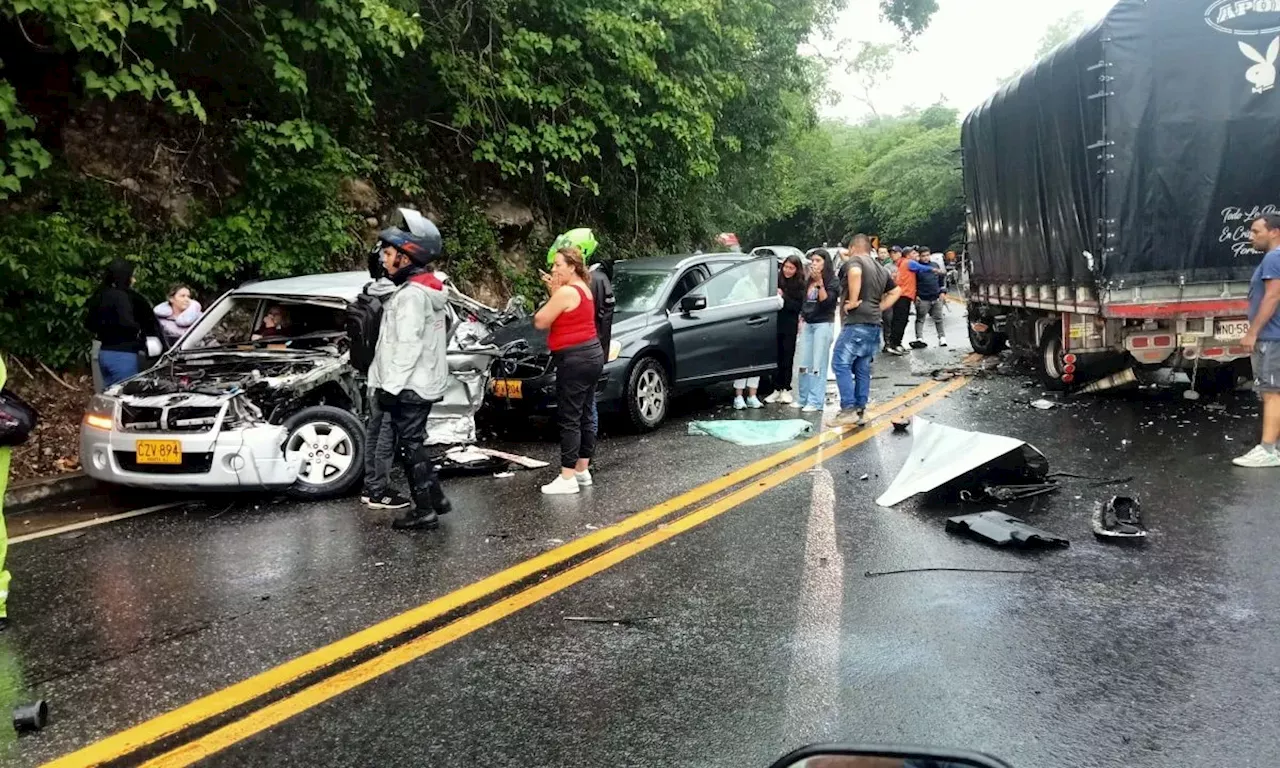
{"type": "Point", "coordinates": [738, 403]}
{"type": "Point", "coordinates": [786, 398]}
{"type": "Point", "coordinates": [942, 341]}
{"type": "Point", "coordinates": [561, 486]}
{"type": "Point", "coordinates": [810, 409]}
{"type": "Point", "coordinates": [754, 402]}
{"type": "Point", "coordinates": [796, 404]}
{"type": "Point", "coordinates": [1258, 458]}
{"type": "Point", "coordinates": [583, 478]}
{"type": "Point", "coordinates": [774, 397]}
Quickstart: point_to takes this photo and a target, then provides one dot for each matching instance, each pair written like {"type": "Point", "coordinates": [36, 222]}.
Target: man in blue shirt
{"type": "Point", "coordinates": [1263, 340]}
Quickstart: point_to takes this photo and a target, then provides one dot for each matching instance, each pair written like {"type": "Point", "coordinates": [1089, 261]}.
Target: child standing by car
{"type": "Point", "coordinates": [819, 313]}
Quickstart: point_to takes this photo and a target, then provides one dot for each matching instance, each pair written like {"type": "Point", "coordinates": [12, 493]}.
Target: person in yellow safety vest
{"type": "Point", "coordinates": [4, 533]}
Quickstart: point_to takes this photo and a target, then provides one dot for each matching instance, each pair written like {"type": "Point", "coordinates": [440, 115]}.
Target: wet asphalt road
{"type": "Point", "coordinates": [767, 634]}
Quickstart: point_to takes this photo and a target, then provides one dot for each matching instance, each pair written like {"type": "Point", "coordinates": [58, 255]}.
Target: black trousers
{"type": "Point", "coordinates": [408, 414]}
{"type": "Point", "coordinates": [901, 314]}
{"type": "Point", "coordinates": [578, 369]}
{"type": "Point", "coordinates": [787, 332]}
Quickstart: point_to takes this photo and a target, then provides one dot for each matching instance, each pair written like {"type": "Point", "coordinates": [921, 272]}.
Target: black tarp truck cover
{"type": "Point", "coordinates": [1149, 141]}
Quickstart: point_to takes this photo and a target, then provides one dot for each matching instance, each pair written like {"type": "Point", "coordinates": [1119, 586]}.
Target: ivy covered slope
{"type": "Point", "coordinates": [212, 141]}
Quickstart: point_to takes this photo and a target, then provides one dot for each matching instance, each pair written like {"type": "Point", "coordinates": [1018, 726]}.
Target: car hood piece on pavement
{"type": "Point", "coordinates": [941, 454]}
{"type": "Point", "coordinates": [1004, 530]}
{"type": "Point", "coordinates": [742, 432]}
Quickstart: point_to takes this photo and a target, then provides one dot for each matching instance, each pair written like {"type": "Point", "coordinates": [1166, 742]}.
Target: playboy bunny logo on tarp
{"type": "Point", "coordinates": [1251, 18]}
{"type": "Point", "coordinates": [1262, 75]}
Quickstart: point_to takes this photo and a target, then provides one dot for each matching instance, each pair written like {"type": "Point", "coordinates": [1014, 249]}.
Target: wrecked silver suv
{"type": "Point", "coordinates": [259, 394]}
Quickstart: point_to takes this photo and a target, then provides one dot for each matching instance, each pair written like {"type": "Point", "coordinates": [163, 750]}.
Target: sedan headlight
{"type": "Point", "coordinates": [101, 413]}
{"type": "Point", "coordinates": [615, 349]}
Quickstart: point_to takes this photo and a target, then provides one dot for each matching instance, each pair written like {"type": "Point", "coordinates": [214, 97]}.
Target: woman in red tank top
{"type": "Point", "coordinates": [570, 317]}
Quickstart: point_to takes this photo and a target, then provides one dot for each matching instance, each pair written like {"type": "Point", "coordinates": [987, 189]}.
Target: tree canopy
{"type": "Point", "coordinates": [215, 140]}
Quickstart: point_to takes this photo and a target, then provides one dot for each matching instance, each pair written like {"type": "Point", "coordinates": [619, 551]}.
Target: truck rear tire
{"type": "Point", "coordinates": [1049, 362]}
{"type": "Point", "coordinates": [988, 342]}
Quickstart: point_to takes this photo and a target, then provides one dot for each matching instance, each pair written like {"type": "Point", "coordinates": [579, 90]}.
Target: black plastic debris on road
{"type": "Point", "coordinates": [31, 717]}
{"type": "Point", "coordinates": [1005, 531]}
{"type": "Point", "coordinates": [1119, 518]}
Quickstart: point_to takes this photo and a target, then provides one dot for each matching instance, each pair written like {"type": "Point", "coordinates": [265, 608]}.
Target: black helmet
{"type": "Point", "coordinates": [421, 247]}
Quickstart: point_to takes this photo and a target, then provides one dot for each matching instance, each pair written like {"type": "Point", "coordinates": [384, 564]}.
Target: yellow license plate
{"type": "Point", "coordinates": [159, 452]}
{"type": "Point", "coordinates": [512, 389]}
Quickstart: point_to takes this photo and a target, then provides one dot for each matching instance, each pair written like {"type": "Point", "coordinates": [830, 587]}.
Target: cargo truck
{"type": "Point", "coordinates": [1109, 191]}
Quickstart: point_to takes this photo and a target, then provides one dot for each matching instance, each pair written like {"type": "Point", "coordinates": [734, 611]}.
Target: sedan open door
{"type": "Point", "coordinates": [727, 327]}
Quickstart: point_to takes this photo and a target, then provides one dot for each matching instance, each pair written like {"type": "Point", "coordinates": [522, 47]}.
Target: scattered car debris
{"type": "Point", "coordinates": [465, 454]}
{"type": "Point", "coordinates": [1004, 530]}
{"type": "Point", "coordinates": [621, 621]}
{"type": "Point", "coordinates": [873, 574]}
{"type": "Point", "coordinates": [1122, 379]}
{"type": "Point", "coordinates": [1043, 405]}
{"type": "Point", "coordinates": [900, 425]}
{"type": "Point", "coordinates": [865, 478]}
{"type": "Point", "coordinates": [752, 432]}
{"type": "Point", "coordinates": [30, 718]}
{"type": "Point", "coordinates": [514, 458]}
{"type": "Point", "coordinates": [503, 475]}
{"type": "Point", "coordinates": [942, 455]}
{"type": "Point", "coordinates": [1008, 492]}
{"type": "Point", "coordinates": [1119, 518]}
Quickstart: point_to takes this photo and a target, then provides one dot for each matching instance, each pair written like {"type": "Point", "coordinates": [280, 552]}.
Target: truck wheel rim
{"type": "Point", "coordinates": [651, 396]}
{"type": "Point", "coordinates": [1052, 359]}
{"type": "Point", "coordinates": [324, 450]}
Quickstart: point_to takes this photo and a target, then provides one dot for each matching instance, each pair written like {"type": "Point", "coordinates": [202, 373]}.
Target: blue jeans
{"type": "Point", "coordinates": [117, 366]}
{"type": "Point", "coordinates": [815, 348]}
{"type": "Point", "coordinates": [855, 349]}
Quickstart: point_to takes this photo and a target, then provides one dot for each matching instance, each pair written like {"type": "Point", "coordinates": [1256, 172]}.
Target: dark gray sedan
{"type": "Point", "coordinates": [680, 323]}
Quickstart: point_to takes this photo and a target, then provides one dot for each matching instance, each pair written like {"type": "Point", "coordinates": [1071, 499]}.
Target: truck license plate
{"type": "Point", "coordinates": [159, 452]}
{"type": "Point", "coordinates": [1231, 329]}
{"type": "Point", "coordinates": [512, 389]}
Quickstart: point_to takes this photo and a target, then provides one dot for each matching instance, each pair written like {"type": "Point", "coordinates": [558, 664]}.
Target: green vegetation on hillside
{"type": "Point", "coordinates": [216, 140]}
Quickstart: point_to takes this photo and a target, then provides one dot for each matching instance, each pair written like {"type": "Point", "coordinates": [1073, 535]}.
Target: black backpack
{"type": "Point", "coordinates": [17, 419]}
{"type": "Point", "coordinates": [364, 320]}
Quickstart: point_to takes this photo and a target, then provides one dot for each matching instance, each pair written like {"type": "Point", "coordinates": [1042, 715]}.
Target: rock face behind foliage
{"type": "Point", "coordinates": [157, 162]}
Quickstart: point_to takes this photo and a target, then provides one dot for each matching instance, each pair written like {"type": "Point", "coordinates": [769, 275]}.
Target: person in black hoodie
{"type": "Point", "coordinates": [791, 285]}
{"type": "Point", "coordinates": [121, 320]}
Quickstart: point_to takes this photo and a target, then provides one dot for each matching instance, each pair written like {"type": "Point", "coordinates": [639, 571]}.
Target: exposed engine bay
{"type": "Point", "coordinates": [267, 380]}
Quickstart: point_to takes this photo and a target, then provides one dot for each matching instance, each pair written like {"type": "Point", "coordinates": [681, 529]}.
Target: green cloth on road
{"type": "Point", "coordinates": [744, 432]}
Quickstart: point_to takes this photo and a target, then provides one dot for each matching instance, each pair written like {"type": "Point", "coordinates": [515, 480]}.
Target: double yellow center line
{"type": "Point", "coordinates": [219, 703]}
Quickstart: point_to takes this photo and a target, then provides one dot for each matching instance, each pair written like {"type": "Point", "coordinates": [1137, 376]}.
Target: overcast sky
{"type": "Point", "coordinates": [968, 47]}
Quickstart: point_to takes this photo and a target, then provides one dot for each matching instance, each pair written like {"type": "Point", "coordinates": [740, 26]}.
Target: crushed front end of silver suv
{"type": "Point", "coordinates": [218, 414]}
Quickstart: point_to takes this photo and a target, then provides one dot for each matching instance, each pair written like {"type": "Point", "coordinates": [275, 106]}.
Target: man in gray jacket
{"type": "Point", "coordinates": [410, 372]}
{"type": "Point", "coordinates": [379, 440]}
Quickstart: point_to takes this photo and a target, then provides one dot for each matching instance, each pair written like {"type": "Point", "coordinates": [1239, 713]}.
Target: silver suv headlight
{"type": "Point", "coordinates": [101, 413]}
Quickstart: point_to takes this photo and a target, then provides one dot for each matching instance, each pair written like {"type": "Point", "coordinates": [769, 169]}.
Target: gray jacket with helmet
{"type": "Point", "coordinates": [413, 336]}
{"type": "Point", "coordinates": [412, 341]}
